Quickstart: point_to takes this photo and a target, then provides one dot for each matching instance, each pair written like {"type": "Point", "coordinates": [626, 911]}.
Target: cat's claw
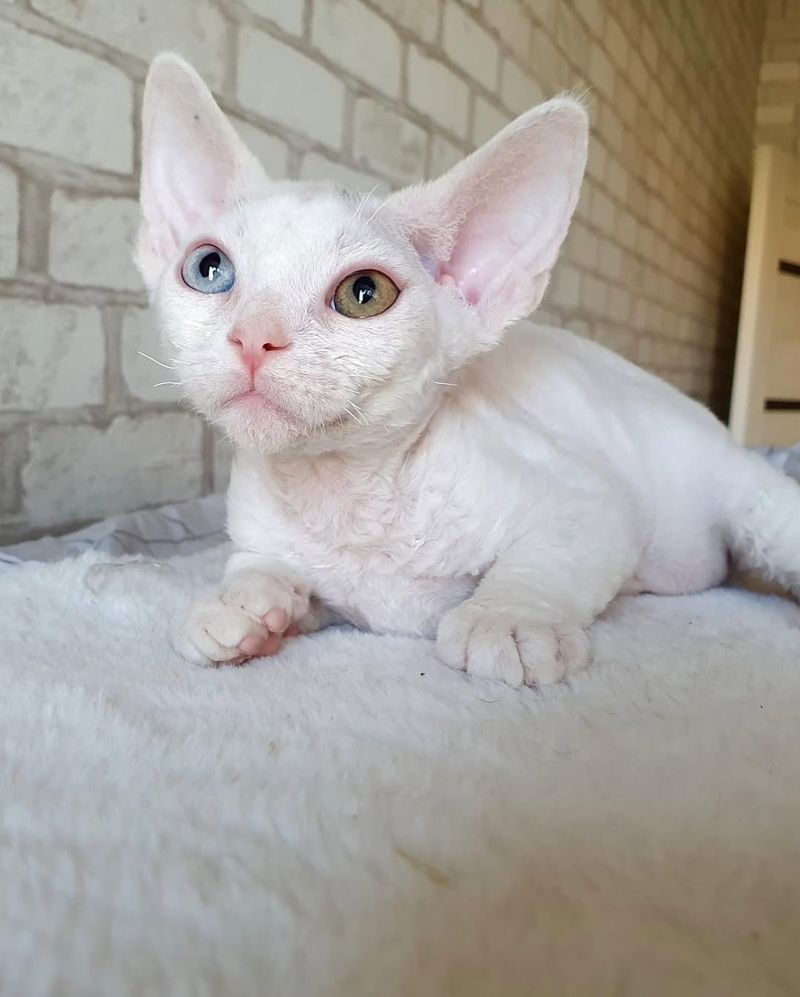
{"type": "Point", "coordinates": [494, 645]}
{"type": "Point", "coordinates": [247, 617]}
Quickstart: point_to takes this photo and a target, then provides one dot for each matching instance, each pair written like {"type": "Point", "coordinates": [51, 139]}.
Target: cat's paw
{"type": "Point", "coordinates": [247, 617]}
{"type": "Point", "coordinates": [494, 645]}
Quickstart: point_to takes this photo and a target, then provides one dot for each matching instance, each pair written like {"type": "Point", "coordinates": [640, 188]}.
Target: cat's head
{"type": "Point", "coordinates": [302, 315]}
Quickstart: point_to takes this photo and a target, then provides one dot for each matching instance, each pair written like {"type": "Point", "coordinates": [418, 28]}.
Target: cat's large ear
{"type": "Point", "coordinates": [493, 225]}
{"type": "Point", "coordinates": [194, 165]}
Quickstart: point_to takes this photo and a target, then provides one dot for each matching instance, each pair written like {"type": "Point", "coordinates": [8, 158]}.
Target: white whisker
{"type": "Point", "coordinates": [160, 364]}
{"type": "Point", "coordinates": [380, 207]}
{"type": "Point", "coordinates": [364, 200]}
{"type": "Point", "coordinates": [162, 383]}
{"type": "Point", "coordinates": [446, 384]}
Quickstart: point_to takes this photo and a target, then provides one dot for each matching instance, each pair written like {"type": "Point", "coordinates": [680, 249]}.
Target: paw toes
{"type": "Point", "coordinates": [492, 645]}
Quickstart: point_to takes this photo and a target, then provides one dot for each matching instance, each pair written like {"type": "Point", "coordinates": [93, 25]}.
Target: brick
{"type": "Point", "coordinates": [272, 152]}
{"type": "Point", "coordinates": [544, 11]}
{"type": "Point", "coordinates": [195, 28]}
{"type": "Point", "coordinates": [9, 222]}
{"type": "Point", "coordinates": [565, 288]}
{"type": "Point", "coordinates": [626, 229]}
{"type": "Point", "coordinates": [13, 454]}
{"type": "Point", "coordinates": [619, 304]}
{"type": "Point", "coordinates": [487, 122]}
{"type": "Point", "coordinates": [616, 180]}
{"type": "Point", "coordinates": [518, 90]}
{"type": "Point", "coordinates": [596, 162]}
{"type": "Point", "coordinates": [581, 246]}
{"type": "Point", "coordinates": [573, 38]}
{"type": "Point", "coordinates": [35, 75]}
{"type": "Point", "coordinates": [772, 72]}
{"type": "Point", "coordinates": [592, 13]}
{"type": "Point", "coordinates": [547, 63]}
{"type": "Point", "coordinates": [436, 92]}
{"type": "Point", "coordinates": [444, 155]}
{"type": "Point", "coordinates": [469, 46]}
{"type": "Point", "coordinates": [512, 23]}
{"type": "Point", "coordinates": [593, 294]}
{"type": "Point", "coordinates": [601, 71]}
{"type": "Point", "coordinates": [288, 16]}
{"type": "Point", "coordinates": [316, 107]}
{"type": "Point", "coordinates": [91, 239]}
{"type": "Point", "coordinates": [358, 40]}
{"type": "Point", "coordinates": [780, 114]}
{"type": "Point", "coordinates": [387, 142]}
{"type": "Point", "coordinates": [609, 261]}
{"type": "Point", "coordinates": [616, 43]}
{"type": "Point", "coordinates": [785, 29]}
{"type": "Point", "coordinates": [222, 459]}
{"type": "Point", "coordinates": [78, 472]}
{"type": "Point", "coordinates": [420, 17]}
{"type": "Point", "coordinates": [602, 212]}
{"type": "Point", "coordinates": [139, 333]}
{"type": "Point", "coordinates": [317, 167]}
{"type": "Point", "coordinates": [51, 356]}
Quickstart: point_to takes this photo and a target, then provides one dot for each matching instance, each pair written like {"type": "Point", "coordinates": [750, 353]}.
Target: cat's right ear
{"type": "Point", "coordinates": [194, 165]}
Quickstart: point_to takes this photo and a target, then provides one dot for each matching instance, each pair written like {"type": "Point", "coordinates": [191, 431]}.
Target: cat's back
{"type": "Point", "coordinates": [581, 394]}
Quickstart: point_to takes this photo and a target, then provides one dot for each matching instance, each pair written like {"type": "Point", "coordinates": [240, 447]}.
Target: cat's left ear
{"type": "Point", "coordinates": [194, 165]}
{"type": "Point", "coordinates": [493, 225]}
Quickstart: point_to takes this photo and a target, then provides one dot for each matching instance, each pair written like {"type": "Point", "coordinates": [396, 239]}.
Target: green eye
{"type": "Point", "coordinates": [364, 294]}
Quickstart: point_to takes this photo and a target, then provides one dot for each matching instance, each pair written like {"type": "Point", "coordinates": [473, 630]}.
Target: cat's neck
{"type": "Point", "coordinates": [385, 456]}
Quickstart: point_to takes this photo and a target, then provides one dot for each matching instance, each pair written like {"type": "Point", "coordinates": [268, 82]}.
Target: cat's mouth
{"type": "Point", "coordinates": [253, 402]}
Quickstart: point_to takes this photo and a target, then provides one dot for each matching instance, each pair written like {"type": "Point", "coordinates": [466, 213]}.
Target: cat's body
{"type": "Point", "coordinates": [401, 464]}
{"type": "Point", "coordinates": [391, 538]}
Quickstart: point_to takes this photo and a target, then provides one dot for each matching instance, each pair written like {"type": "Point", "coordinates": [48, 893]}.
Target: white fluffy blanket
{"type": "Point", "coordinates": [351, 818]}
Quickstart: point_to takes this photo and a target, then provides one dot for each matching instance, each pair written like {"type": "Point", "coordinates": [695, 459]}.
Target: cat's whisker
{"type": "Point", "coordinates": [147, 356]}
{"type": "Point", "coordinates": [162, 383]}
{"type": "Point", "coordinates": [375, 212]}
{"type": "Point", "coordinates": [364, 199]}
{"type": "Point", "coordinates": [446, 384]}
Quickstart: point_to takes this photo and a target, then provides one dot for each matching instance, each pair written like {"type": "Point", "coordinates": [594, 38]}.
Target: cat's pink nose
{"type": "Point", "coordinates": [254, 344]}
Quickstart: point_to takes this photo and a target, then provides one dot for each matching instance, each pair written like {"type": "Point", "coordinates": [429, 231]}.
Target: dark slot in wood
{"type": "Point", "coordinates": [785, 266]}
{"type": "Point", "coordinates": [782, 404]}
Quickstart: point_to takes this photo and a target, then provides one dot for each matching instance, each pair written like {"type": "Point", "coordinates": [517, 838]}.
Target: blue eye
{"type": "Point", "coordinates": [208, 269]}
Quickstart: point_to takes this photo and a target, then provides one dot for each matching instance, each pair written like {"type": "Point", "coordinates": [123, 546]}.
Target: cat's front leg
{"type": "Point", "coordinates": [527, 620]}
{"type": "Point", "coordinates": [259, 602]}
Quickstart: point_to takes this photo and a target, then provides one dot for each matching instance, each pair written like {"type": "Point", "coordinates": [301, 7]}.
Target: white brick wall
{"type": "Point", "coordinates": [469, 45]}
{"type": "Point", "coordinates": [91, 240]}
{"type": "Point", "coordinates": [77, 472]}
{"type": "Point", "coordinates": [51, 356]}
{"type": "Point", "coordinates": [778, 113]}
{"type": "Point", "coordinates": [280, 84]}
{"type": "Point", "coordinates": [196, 28]}
{"type": "Point", "coordinates": [9, 221]}
{"type": "Point", "coordinates": [438, 93]}
{"type": "Point", "coordinates": [359, 41]}
{"type": "Point", "coordinates": [369, 93]}
{"type": "Point", "coordinates": [388, 142]}
{"type": "Point", "coordinates": [64, 102]}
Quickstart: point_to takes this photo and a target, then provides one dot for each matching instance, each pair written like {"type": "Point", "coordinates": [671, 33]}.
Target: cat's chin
{"type": "Point", "coordinates": [254, 422]}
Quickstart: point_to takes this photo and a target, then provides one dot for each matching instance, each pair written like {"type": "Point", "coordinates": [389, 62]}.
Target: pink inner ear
{"type": "Point", "coordinates": [194, 165]}
{"type": "Point", "coordinates": [495, 223]}
{"type": "Point", "coordinates": [500, 249]}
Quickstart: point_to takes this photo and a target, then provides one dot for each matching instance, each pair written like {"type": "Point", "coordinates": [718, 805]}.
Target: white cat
{"type": "Point", "coordinates": [403, 461]}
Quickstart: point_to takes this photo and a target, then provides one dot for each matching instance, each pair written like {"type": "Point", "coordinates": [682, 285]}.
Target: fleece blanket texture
{"type": "Point", "coordinates": [352, 818]}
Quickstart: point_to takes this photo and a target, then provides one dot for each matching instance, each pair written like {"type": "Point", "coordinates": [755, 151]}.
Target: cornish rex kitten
{"type": "Point", "coordinates": [404, 460]}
